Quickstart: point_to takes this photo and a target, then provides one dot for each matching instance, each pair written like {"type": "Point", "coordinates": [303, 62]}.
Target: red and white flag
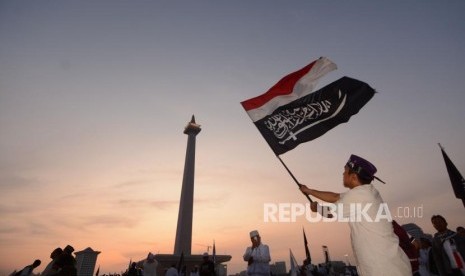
{"type": "Point", "coordinates": [288, 89]}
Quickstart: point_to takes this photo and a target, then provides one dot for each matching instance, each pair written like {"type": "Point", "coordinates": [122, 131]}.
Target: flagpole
{"type": "Point", "coordinates": [293, 177]}
{"type": "Point", "coordinates": [328, 215]}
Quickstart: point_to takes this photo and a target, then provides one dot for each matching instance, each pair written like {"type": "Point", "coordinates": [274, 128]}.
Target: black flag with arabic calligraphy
{"type": "Point", "coordinates": [311, 116]}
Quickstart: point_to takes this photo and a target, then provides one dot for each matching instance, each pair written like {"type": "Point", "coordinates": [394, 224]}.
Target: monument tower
{"type": "Point", "coordinates": [183, 240]}
{"type": "Point", "coordinates": [182, 255]}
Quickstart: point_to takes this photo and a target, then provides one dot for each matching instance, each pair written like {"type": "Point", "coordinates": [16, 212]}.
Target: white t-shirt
{"type": "Point", "coordinates": [150, 268]}
{"type": "Point", "coordinates": [375, 245]}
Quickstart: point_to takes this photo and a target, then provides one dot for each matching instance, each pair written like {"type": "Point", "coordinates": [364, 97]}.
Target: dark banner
{"type": "Point", "coordinates": [456, 179]}
{"type": "Point", "coordinates": [313, 115]}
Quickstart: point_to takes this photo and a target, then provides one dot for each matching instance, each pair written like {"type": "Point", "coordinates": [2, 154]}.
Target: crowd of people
{"type": "Point", "coordinates": [380, 246]}
{"type": "Point", "coordinates": [63, 263]}
{"type": "Point", "coordinates": [149, 268]}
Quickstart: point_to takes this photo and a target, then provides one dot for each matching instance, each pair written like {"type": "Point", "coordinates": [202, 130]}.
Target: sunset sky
{"type": "Point", "coordinates": [95, 95]}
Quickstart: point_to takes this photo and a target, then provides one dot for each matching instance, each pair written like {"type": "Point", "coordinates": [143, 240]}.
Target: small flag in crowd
{"type": "Point", "coordinates": [456, 178]}
{"type": "Point", "coordinates": [295, 271]}
{"type": "Point", "coordinates": [307, 251]}
{"type": "Point", "coordinates": [326, 252]}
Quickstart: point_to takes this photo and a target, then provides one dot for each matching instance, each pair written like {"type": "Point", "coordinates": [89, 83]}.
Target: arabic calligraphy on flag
{"type": "Point", "coordinates": [311, 116]}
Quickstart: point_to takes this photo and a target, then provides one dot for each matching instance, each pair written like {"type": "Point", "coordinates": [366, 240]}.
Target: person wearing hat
{"type": "Point", "coordinates": [257, 256]}
{"type": "Point", "coordinates": [374, 243]}
{"type": "Point", "coordinates": [150, 265]}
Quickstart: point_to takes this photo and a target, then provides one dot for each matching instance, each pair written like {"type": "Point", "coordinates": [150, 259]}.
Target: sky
{"type": "Point", "coordinates": [95, 95]}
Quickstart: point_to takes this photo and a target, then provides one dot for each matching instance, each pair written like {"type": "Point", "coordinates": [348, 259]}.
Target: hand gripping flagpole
{"type": "Point", "coordinates": [293, 177]}
{"type": "Point", "coordinates": [325, 213]}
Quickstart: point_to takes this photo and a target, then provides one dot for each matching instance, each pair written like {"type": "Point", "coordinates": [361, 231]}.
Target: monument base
{"type": "Point", "coordinates": [165, 261]}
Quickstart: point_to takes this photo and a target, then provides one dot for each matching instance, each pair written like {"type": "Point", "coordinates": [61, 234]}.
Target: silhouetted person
{"type": "Point", "coordinates": [150, 266]}
{"type": "Point", "coordinates": [448, 249]}
{"type": "Point", "coordinates": [461, 231]}
{"type": "Point", "coordinates": [195, 271]}
{"type": "Point", "coordinates": [27, 270]}
{"type": "Point", "coordinates": [52, 268]}
{"type": "Point", "coordinates": [172, 271]}
{"type": "Point", "coordinates": [133, 269]}
{"type": "Point", "coordinates": [207, 267]}
{"type": "Point", "coordinates": [66, 263]}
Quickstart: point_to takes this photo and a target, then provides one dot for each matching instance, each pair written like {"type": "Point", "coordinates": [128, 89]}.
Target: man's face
{"type": "Point", "coordinates": [255, 240]}
{"type": "Point", "coordinates": [439, 224]}
{"type": "Point", "coordinates": [346, 178]}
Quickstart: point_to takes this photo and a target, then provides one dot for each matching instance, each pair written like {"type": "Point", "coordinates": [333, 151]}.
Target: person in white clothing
{"type": "Point", "coordinates": [172, 271]}
{"type": "Point", "coordinates": [427, 267]}
{"type": "Point", "coordinates": [257, 256]}
{"type": "Point", "coordinates": [150, 265]}
{"type": "Point", "coordinates": [375, 245]}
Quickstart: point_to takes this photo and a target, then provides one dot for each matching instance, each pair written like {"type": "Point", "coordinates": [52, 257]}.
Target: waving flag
{"type": "Point", "coordinates": [456, 178]}
{"type": "Point", "coordinates": [311, 116]}
{"type": "Point", "coordinates": [290, 113]}
{"type": "Point", "coordinates": [326, 252]}
{"type": "Point", "coordinates": [307, 251]}
{"type": "Point", "coordinates": [295, 270]}
{"type": "Point", "coordinates": [288, 89]}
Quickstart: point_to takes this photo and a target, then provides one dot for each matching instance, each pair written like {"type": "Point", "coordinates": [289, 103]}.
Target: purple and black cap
{"type": "Point", "coordinates": [363, 168]}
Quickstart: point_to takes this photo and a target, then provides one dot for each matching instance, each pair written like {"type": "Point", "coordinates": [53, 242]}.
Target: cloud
{"type": "Point", "coordinates": [14, 209]}
{"type": "Point", "coordinates": [12, 182]}
{"type": "Point", "coordinates": [164, 204]}
{"type": "Point", "coordinates": [111, 221]}
{"type": "Point", "coordinates": [130, 184]}
{"type": "Point", "coordinates": [144, 204]}
{"type": "Point", "coordinates": [74, 196]}
{"type": "Point", "coordinates": [38, 229]}
{"type": "Point", "coordinates": [7, 229]}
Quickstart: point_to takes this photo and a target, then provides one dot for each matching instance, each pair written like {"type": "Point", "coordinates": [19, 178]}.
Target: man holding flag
{"type": "Point", "coordinates": [290, 113]}
{"type": "Point", "coordinates": [376, 247]}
